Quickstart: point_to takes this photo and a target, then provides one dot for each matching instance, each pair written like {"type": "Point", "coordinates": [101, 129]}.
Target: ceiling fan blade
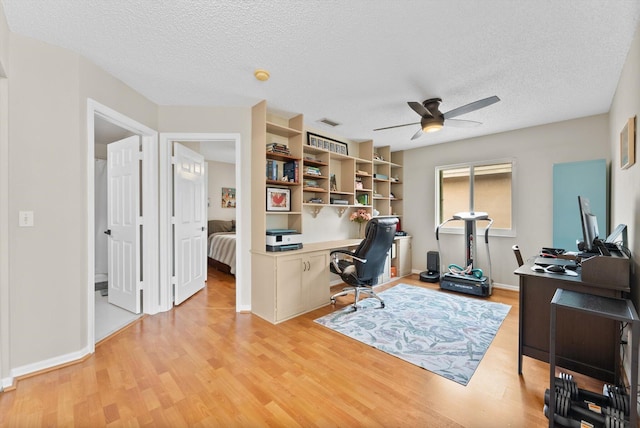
{"type": "Point", "coordinates": [397, 126]}
{"type": "Point", "coordinates": [459, 123]}
{"type": "Point", "coordinates": [476, 105]}
{"type": "Point", "coordinates": [420, 109]}
{"type": "Point", "coordinates": [417, 134]}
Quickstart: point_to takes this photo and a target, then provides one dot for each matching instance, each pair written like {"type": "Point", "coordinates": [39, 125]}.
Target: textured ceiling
{"type": "Point", "coordinates": [356, 62]}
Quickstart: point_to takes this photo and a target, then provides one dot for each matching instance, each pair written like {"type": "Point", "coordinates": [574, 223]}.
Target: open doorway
{"type": "Point", "coordinates": [134, 146]}
{"type": "Point", "coordinates": [221, 153]}
{"type": "Point", "coordinates": [109, 315]}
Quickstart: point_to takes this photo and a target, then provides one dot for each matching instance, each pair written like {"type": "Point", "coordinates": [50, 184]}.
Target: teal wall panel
{"type": "Point", "coordinates": [573, 179]}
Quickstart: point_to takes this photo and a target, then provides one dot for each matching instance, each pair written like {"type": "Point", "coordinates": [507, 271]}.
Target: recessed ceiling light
{"type": "Point", "coordinates": [261, 74]}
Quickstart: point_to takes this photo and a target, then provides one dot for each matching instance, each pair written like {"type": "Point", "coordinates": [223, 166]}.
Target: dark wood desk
{"type": "Point", "coordinates": [585, 343]}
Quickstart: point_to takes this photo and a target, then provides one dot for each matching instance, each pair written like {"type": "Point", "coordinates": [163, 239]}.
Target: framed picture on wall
{"type": "Point", "coordinates": [278, 199]}
{"type": "Point", "coordinates": [328, 144]}
{"type": "Point", "coordinates": [628, 144]}
{"type": "Point", "coordinates": [228, 197]}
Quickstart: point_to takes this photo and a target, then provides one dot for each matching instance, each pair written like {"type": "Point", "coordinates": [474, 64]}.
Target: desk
{"type": "Point", "coordinates": [289, 283]}
{"type": "Point", "coordinates": [586, 343]}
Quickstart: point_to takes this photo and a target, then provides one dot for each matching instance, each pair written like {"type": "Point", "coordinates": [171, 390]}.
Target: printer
{"type": "Point", "coordinates": [283, 240]}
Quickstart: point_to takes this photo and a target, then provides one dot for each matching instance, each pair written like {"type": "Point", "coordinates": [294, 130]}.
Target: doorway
{"type": "Point", "coordinates": [105, 125]}
{"type": "Point", "coordinates": [213, 147]}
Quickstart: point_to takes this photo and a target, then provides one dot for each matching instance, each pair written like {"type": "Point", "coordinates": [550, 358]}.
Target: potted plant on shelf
{"type": "Point", "coordinates": [360, 216]}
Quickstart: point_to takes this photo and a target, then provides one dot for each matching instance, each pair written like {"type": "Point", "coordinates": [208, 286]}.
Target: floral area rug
{"type": "Point", "coordinates": [444, 333]}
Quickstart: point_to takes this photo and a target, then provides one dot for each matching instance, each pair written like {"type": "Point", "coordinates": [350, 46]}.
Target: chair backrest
{"type": "Point", "coordinates": [374, 247]}
{"type": "Point", "coordinates": [516, 251]}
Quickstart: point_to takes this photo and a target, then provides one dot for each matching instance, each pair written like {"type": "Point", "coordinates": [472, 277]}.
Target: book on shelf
{"type": "Point", "coordinates": [272, 169]}
{"type": "Point", "coordinates": [291, 171]}
{"type": "Point", "coordinates": [363, 199]}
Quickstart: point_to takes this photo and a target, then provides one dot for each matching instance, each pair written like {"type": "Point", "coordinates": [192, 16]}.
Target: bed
{"type": "Point", "coordinates": [221, 245]}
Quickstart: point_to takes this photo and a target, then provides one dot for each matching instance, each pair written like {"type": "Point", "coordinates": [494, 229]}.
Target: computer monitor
{"type": "Point", "coordinates": [589, 226]}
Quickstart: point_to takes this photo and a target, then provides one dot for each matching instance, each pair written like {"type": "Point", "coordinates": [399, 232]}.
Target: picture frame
{"type": "Point", "coordinates": [329, 144]}
{"type": "Point", "coordinates": [628, 144]}
{"type": "Point", "coordinates": [278, 199]}
{"type": "Point", "coordinates": [228, 197]}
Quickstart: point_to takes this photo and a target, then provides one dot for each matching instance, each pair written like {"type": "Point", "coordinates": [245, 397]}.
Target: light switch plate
{"type": "Point", "coordinates": [25, 219]}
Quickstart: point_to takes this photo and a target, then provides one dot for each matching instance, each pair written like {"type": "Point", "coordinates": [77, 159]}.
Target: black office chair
{"type": "Point", "coordinates": [516, 251]}
{"type": "Point", "coordinates": [362, 267]}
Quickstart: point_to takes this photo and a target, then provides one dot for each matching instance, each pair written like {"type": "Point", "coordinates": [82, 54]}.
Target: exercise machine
{"type": "Point", "coordinates": [468, 279]}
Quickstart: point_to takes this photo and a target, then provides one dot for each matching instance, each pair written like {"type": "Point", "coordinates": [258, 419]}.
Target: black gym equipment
{"type": "Point", "coordinates": [468, 280]}
{"type": "Point", "coordinates": [575, 405]}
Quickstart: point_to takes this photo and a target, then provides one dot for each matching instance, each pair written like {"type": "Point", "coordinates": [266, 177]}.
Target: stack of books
{"type": "Point", "coordinates": [278, 148]}
{"type": "Point", "coordinates": [312, 170]}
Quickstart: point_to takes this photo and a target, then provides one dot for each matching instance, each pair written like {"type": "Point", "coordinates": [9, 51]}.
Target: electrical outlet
{"type": "Point", "coordinates": [25, 219]}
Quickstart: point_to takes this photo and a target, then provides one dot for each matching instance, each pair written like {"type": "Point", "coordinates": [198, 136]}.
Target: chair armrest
{"type": "Point", "coordinates": [347, 252]}
{"type": "Point", "coordinates": [334, 254]}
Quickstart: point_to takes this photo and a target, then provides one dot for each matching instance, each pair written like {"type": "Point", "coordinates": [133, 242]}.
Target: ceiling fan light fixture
{"type": "Point", "coordinates": [432, 127]}
{"type": "Point", "coordinates": [431, 124]}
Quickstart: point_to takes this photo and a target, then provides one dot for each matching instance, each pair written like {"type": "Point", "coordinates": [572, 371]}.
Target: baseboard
{"type": "Point", "coordinates": [244, 308]}
{"type": "Point", "coordinates": [6, 384]}
{"type": "Point", "coordinates": [44, 366]}
{"type": "Point", "coordinates": [506, 286]}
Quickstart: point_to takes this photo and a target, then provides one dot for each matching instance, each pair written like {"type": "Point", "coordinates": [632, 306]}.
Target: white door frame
{"type": "Point", "coordinates": [149, 187]}
{"type": "Point", "coordinates": [166, 194]}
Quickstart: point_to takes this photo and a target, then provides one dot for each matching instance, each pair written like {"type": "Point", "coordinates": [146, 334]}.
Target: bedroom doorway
{"type": "Point", "coordinates": [222, 155]}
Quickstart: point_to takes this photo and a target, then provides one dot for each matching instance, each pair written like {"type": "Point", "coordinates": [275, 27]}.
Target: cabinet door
{"type": "Point", "coordinates": [290, 299]}
{"type": "Point", "coordinates": [404, 256]}
{"type": "Point", "coordinates": [316, 279]}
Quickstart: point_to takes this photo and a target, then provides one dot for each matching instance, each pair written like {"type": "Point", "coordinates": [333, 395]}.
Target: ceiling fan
{"type": "Point", "coordinates": [433, 120]}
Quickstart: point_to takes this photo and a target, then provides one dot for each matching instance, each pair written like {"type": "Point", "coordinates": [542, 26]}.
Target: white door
{"type": "Point", "coordinates": [123, 222]}
{"type": "Point", "coordinates": [190, 231]}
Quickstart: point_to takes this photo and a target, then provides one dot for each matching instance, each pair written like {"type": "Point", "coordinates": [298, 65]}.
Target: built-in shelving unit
{"type": "Point", "coordinates": [271, 129]}
{"type": "Point", "coordinates": [286, 284]}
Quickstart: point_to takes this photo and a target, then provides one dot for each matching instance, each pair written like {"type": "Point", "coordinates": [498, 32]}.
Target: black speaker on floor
{"type": "Point", "coordinates": [432, 274]}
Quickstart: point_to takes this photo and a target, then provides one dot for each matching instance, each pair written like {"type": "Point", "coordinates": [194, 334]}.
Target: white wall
{"type": "Point", "coordinates": [4, 199]}
{"type": "Point", "coordinates": [625, 201]}
{"type": "Point", "coordinates": [534, 151]}
{"type": "Point", "coordinates": [48, 296]}
{"type": "Point", "coordinates": [221, 174]}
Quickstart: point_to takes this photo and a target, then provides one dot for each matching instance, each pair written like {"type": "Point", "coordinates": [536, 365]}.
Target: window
{"type": "Point", "coordinates": [484, 187]}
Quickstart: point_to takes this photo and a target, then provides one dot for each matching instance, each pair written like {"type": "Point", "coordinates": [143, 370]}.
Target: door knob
{"type": "Point", "coordinates": [107, 232]}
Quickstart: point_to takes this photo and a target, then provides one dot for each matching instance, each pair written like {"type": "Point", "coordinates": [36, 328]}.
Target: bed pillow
{"type": "Point", "coordinates": [215, 226]}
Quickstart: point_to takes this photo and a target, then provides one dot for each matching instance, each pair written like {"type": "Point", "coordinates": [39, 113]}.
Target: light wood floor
{"type": "Point", "coordinates": [203, 364]}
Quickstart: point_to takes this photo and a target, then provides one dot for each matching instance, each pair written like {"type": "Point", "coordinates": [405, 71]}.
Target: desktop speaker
{"type": "Point", "coordinates": [432, 274]}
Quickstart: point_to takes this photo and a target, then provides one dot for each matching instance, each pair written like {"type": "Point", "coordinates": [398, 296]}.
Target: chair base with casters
{"type": "Point", "coordinates": [361, 268]}
{"type": "Point", "coordinates": [343, 269]}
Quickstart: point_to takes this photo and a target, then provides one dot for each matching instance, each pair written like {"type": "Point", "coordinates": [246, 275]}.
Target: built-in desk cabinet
{"type": "Point", "coordinates": [289, 284]}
